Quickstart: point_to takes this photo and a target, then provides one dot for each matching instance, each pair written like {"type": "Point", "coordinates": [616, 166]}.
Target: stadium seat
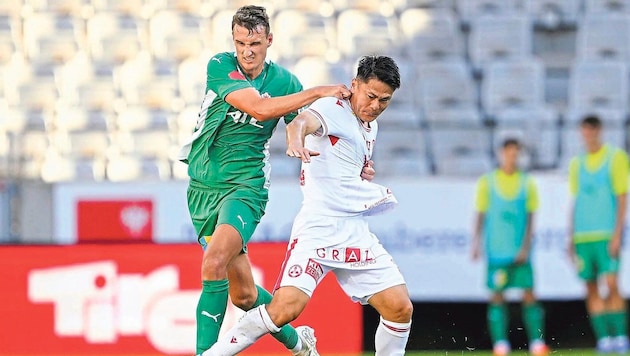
{"type": "Point", "coordinates": [303, 34]}
{"type": "Point", "coordinates": [52, 37]}
{"type": "Point", "coordinates": [10, 37]}
{"type": "Point", "coordinates": [196, 7]}
{"type": "Point", "coordinates": [221, 31]}
{"type": "Point", "coordinates": [115, 37]}
{"type": "Point", "coordinates": [185, 123]}
{"type": "Point", "coordinates": [122, 168]}
{"type": "Point", "coordinates": [152, 83]}
{"type": "Point", "coordinates": [364, 33]}
{"type": "Point", "coordinates": [604, 36]}
{"type": "Point", "coordinates": [145, 132]}
{"type": "Point", "coordinates": [403, 110]}
{"type": "Point", "coordinates": [65, 7]}
{"type": "Point", "coordinates": [11, 8]}
{"type": "Point", "coordinates": [401, 5]}
{"type": "Point", "coordinates": [136, 8]}
{"type": "Point", "coordinates": [362, 5]}
{"type": "Point", "coordinates": [469, 10]}
{"type": "Point", "coordinates": [314, 70]}
{"type": "Point", "coordinates": [460, 150]}
{"type": "Point", "coordinates": [191, 79]}
{"type": "Point", "coordinates": [447, 92]}
{"type": "Point", "coordinates": [499, 38]}
{"type": "Point", "coordinates": [431, 34]}
{"type": "Point", "coordinates": [62, 168]}
{"type": "Point", "coordinates": [553, 14]}
{"type": "Point", "coordinates": [515, 83]}
{"type": "Point", "coordinates": [400, 152]}
{"type": "Point", "coordinates": [598, 85]}
{"type": "Point", "coordinates": [81, 133]}
{"type": "Point", "coordinates": [606, 6]}
{"type": "Point", "coordinates": [176, 36]}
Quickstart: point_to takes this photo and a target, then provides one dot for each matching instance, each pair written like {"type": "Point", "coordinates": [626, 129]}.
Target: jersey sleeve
{"type": "Point", "coordinates": [619, 172]}
{"type": "Point", "coordinates": [223, 76]}
{"type": "Point", "coordinates": [482, 194]}
{"type": "Point", "coordinates": [329, 111]}
{"type": "Point", "coordinates": [573, 176]}
{"type": "Point", "coordinates": [531, 201]}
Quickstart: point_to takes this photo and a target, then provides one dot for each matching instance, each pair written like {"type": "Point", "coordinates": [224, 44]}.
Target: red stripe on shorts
{"type": "Point", "coordinates": [284, 264]}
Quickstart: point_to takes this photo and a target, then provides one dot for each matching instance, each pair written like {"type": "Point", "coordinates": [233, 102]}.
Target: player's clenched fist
{"type": "Point", "coordinates": [340, 91]}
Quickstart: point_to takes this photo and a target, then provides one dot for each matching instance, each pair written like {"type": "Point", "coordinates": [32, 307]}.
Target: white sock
{"type": "Point", "coordinates": [391, 338]}
{"type": "Point", "coordinates": [251, 327]}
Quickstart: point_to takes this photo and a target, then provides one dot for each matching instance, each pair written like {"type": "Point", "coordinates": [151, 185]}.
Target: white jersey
{"type": "Point", "coordinates": [331, 183]}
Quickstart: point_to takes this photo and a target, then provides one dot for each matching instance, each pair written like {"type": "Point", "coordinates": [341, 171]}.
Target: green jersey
{"type": "Point", "coordinates": [228, 147]}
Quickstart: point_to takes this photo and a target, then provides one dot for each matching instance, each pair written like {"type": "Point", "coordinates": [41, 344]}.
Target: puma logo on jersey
{"type": "Point", "coordinates": [242, 221]}
{"type": "Point", "coordinates": [213, 317]}
{"type": "Point", "coordinates": [216, 59]}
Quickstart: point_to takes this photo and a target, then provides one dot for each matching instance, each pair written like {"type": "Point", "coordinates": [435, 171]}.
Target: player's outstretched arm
{"type": "Point", "coordinates": [304, 124]}
{"type": "Point", "coordinates": [264, 108]}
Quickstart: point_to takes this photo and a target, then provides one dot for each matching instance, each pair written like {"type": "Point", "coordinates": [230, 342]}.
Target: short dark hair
{"type": "Point", "coordinates": [511, 141]}
{"type": "Point", "coordinates": [592, 121]}
{"type": "Point", "coordinates": [382, 68]}
{"type": "Point", "coordinates": [251, 17]}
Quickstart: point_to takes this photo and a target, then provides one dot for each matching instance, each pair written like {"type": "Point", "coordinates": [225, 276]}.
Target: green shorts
{"type": "Point", "coordinates": [593, 260]}
{"type": "Point", "coordinates": [500, 278]}
{"type": "Point", "coordinates": [240, 208]}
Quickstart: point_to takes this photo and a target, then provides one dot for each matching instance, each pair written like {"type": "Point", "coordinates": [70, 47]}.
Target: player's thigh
{"type": "Point", "coordinates": [203, 208]}
{"type": "Point", "coordinates": [606, 264]}
{"type": "Point", "coordinates": [362, 280]}
{"type": "Point", "coordinates": [586, 262]}
{"type": "Point", "coordinates": [497, 278]}
{"type": "Point", "coordinates": [242, 216]}
{"type": "Point", "coordinates": [521, 276]}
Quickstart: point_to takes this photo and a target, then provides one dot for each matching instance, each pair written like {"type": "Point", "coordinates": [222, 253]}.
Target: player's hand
{"type": "Point", "coordinates": [614, 246]}
{"type": "Point", "coordinates": [571, 252]}
{"type": "Point", "coordinates": [302, 153]}
{"type": "Point", "coordinates": [475, 253]}
{"type": "Point", "coordinates": [521, 256]}
{"type": "Point", "coordinates": [339, 91]}
{"type": "Point", "coordinates": [368, 171]}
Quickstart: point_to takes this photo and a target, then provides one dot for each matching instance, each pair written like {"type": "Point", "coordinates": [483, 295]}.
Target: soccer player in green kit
{"type": "Point", "coordinates": [598, 181]}
{"type": "Point", "coordinates": [228, 165]}
{"type": "Point", "coordinates": [506, 200]}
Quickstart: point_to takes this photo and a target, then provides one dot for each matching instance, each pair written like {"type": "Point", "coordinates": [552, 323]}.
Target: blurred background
{"type": "Point", "coordinates": [98, 95]}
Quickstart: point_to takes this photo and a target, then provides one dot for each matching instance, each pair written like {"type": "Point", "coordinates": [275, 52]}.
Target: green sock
{"type": "Point", "coordinates": [534, 320]}
{"type": "Point", "coordinates": [617, 322]}
{"type": "Point", "coordinates": [598, 323]}
{"type": "Point", "coordinates": [287, 335]}
{"type": "Point", "coordinates": [210, 312]}
{"type": "Point", "coordinates": [497, 322]}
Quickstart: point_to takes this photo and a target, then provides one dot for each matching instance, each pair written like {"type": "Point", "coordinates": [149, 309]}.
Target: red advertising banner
{"type": "Point", "coordinates": [114, 220]}
{"type": "Point", "coordinates": [139, 299]}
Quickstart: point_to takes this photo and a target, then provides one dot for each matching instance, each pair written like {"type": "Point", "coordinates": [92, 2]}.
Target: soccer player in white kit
{"type": "Point", "coordinates": [334, 139]}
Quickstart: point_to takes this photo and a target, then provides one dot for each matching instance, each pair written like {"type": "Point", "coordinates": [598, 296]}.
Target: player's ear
{"type": "Point", "coordinates": [269, 39]}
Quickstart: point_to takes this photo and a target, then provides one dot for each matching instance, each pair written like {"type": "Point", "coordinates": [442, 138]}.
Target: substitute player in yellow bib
{"type": "Point", "coordinates": [506, 200]}
{"type": "Point", "coordinates": [598, 181]}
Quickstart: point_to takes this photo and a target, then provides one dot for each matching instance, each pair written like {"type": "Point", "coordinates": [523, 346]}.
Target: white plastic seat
{"type": "Point", "coordinates": [52, 37]}
{"type": "Point", "coordinates": [122, 168]}
{"type": "Point", "coordinates": [191, 85]}
{"type": "Point", "coordinates": [460, 150]}
{"type": "Point", "coordinates": [115, 37]}
{"type": "Point", "coordinates": [471, 9]}
{"type": "Point", "coordinates": [604, 36]}
{"type": "Point", "coordinates": [136, 8]}
{"type": "Point", "coordinates": [598, 85]}
{"type": "Point", "coordinates": [402, 5]}
{"type": "Point", "coordinates": [315, 70]}
{"type": "Point", "coordinates": [499, 38]}
{"type": "Point", "coordinates": [513, 84]}
{"type": "Point", "coordinates": [176, 35]}
{"type": "Point", "coordinates": [365, 33]}
{"type": "Point", "coordinates": [551, 14]}
{"type": "Point", "coordinates": [69, 7]}
{"type": "Point", "coordinates": [303, 34]}
{"type": "Point", "coordinates": [431, 34]}
{"type": "Point", "coordinates": [400, 152]}
{"type": "Point", "coordinates": [606, 6]}
{"type": "Point", "coordinates": [447, 91]}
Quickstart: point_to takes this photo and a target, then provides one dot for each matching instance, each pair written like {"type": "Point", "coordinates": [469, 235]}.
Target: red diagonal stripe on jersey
{"type": "Point", "coordinates": [333, 139]}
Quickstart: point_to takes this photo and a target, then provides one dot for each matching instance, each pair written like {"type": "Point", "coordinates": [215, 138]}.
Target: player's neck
{"type": "Point", "coordinates": [509, 170]}
{"type": "Point", "coordinates": [594, 147]}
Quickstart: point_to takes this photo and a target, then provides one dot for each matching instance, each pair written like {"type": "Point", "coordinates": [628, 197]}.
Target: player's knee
{"type": "Point", "coordinates": [283, 313]}
{"type": "Point", "coordinates": [400, 311]}
{"type": "Point", "coordinates": [243, 301]}
{"type": "Point", "coordinates": [213, 267]}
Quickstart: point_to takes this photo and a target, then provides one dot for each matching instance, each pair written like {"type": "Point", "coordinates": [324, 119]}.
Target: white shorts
{"type": "Point", "coordinates": [343, 245]}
